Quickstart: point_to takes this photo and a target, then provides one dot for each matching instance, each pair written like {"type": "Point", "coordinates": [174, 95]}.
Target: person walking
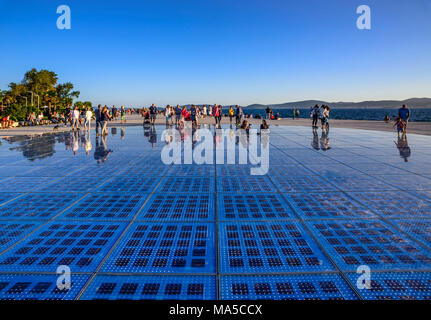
{"type": "Point", "coordinates": [105, 117]}
{"type": "Point", "coordinates": [75, 118]}
{"type": "Point", "coordinates": [98, 116]}
{"type": "Point", "coordinates": [153, 114]}
{"type": "Point", "coordinates": [404, 115]}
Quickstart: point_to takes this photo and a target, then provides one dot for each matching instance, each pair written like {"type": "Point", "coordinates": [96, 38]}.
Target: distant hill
{"type": "Point", "coordinates": [382, 104]}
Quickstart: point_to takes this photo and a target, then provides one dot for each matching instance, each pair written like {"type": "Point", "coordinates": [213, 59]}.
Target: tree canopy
{"type": "Point", "coordinates": [41, 83]}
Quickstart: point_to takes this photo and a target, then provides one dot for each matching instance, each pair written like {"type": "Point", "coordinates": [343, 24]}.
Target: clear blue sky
{"type": "Point", "coordinates": [222, 51]}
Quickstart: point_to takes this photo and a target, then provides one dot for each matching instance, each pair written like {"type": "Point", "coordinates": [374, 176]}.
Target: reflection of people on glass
{"type": "Point", "coordinates": [123, 133]}
{"type": "Point", "coordinates": [101, 152]}
{"type": "Point", "coordinates": [315, 143]}
{"type": "Point", "coordinates": [403, 147]}
{"type": "Point", "coordinates": [324, 141]}
{"type": "Point", "coordinates": [86, 142]}
{"type": "Point", "coordinates": [168, 135]}
{"type": "Point", "coordinates": [75, 143]}
{"type": "Point", "coordinates": [153, 136]}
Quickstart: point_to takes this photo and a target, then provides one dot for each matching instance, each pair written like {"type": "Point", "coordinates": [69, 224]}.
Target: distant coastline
{"type": "Point", "coordinates": [417, 103]}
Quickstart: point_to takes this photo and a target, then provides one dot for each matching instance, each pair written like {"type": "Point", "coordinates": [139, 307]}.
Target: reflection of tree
{"type": "Point", "coordinates": [37, 147]}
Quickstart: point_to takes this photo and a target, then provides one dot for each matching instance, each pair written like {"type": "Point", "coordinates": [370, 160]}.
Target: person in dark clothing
{"type": "Point", "coordinates": [98, 115]}
{"type": "Point", "coordinates": [268, 113]}
{"type": "Point", "coordinates": [153, 114]}
{"type": "Point", "coordinates": [315, 115]}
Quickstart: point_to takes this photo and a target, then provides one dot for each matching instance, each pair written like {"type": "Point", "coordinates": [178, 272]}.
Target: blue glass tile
{"type": "Point", "coordinates": [79, 245]}
{"type": "Point", "coordinates": [107, 206]}
{"type": "Point", "coordinates": [245, 184]}
{"type": "Point", "coordinates": [73, 184]}
{"type": "Point", "coordinates": [371, 243]}
{"type": "Point", "coordinates": [165, 287]}
{"type": "Point", "coordinates": [191, 170]}
{"type": "Point", "coordinates": [39, 287]}
{"type": "Point", "coordinates": [15, 171]}
{"type": "Point", "coordinates": [394, 204]}
{"type": "Point", "coordinates": [187, 185]}
{"type": "Point", "coordinates": [395, 286]}
{"type": "Point", "coordinates": [13, 231]}
{"type": "Point", "coordinates": [7, 196]}
{"type": "Point", "coordinates": [24, 184]}
{"type": "Point", "coordinates": [286, 287]}
{"type": "Point", "coordinates": [38, 205]}
{"type": "Point", "coordinates": [233, 170]}
{"type": "Point", "coordinates": [420, 229]}
{"type": "Point", "coordinates": [360, 183]}
{"type": "Point", "coordinates": [130, 184]}
{"type": "Point", "coordinates": [146, 169]}
{"type": "Point", "coordinates": [180, 207]}
{"type": "Point", "coordinates": [164, 248]}
{"type": "Point", "coordinates": [408, 182]}
{"type": "Point", "coordinates": [268, 247]}
{"type": "Point", "coordinates": [326, 205]}
{"type": "Point", "coordinates": [302, 184]}
{"type": "Point", "coordinates": [251, 206]}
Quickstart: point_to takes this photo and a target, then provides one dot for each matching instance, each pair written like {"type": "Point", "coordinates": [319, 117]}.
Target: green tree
{"type": "Point", "coordinates": [40, 81]}
{"type": "Point", "coordinates": [65, 93]}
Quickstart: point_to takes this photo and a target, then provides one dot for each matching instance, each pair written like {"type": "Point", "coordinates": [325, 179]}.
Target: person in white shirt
{"type": "Point", "coordinates": [75, 118]}
{"type": "Point", "coordinates": [88, 116]}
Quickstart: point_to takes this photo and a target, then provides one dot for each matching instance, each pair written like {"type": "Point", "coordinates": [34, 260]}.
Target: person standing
{"type": "Point", "coordinates": [167, 113]}
{"type": "Point", "coordinates": [114, 112]}
{"type": "Point", "coordinates": [98, 115]}
{"type": "Point", "coordinates": [231, 114]}
{"type": "Point", "coordinates": [153, 114]}
{"type": "Point", "coordinates": [177, 115]}
{"type": "Point", "coordinates": [105, 117]}
{"type": "Point", "coordinates": [268, 113]}
{"type": "Point", "coordinates": [193, 116]}
{"type": "Point", "coordinates": [315, 115]}
{"type": "Point", "coordinates": [404, 114]}
{"type": "Point", "coordinates": [75, 118]}
{"type": "Point", "coordinates": [215, 112]}
{"type": "Point", "coordinates": [325, 118]}
{"type": "Point", "coordinates": [88, 116]}
{"type": "Point", "coordinates": [204, 111]}
{"type": "Point", "coordinates": [123, 114]}
{"type": "Point", "coordinates": [321, 112]}
{"type": "Point", "coordinates": [67, 115]}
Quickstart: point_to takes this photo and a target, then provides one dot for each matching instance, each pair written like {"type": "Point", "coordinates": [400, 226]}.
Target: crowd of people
{"type": "Point", "coordinates": [179, 115]}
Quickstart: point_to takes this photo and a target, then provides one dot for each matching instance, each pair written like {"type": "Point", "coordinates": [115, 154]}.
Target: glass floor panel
{"type": "Point", "coordinates": [307, 223]}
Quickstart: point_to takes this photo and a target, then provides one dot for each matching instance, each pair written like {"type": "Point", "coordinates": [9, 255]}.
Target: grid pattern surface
{"type": "Point", "coordinates": [131, 227]}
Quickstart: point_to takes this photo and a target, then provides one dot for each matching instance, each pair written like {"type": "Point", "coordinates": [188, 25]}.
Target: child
{"type": "Point", "coordinates": [401, 126]}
